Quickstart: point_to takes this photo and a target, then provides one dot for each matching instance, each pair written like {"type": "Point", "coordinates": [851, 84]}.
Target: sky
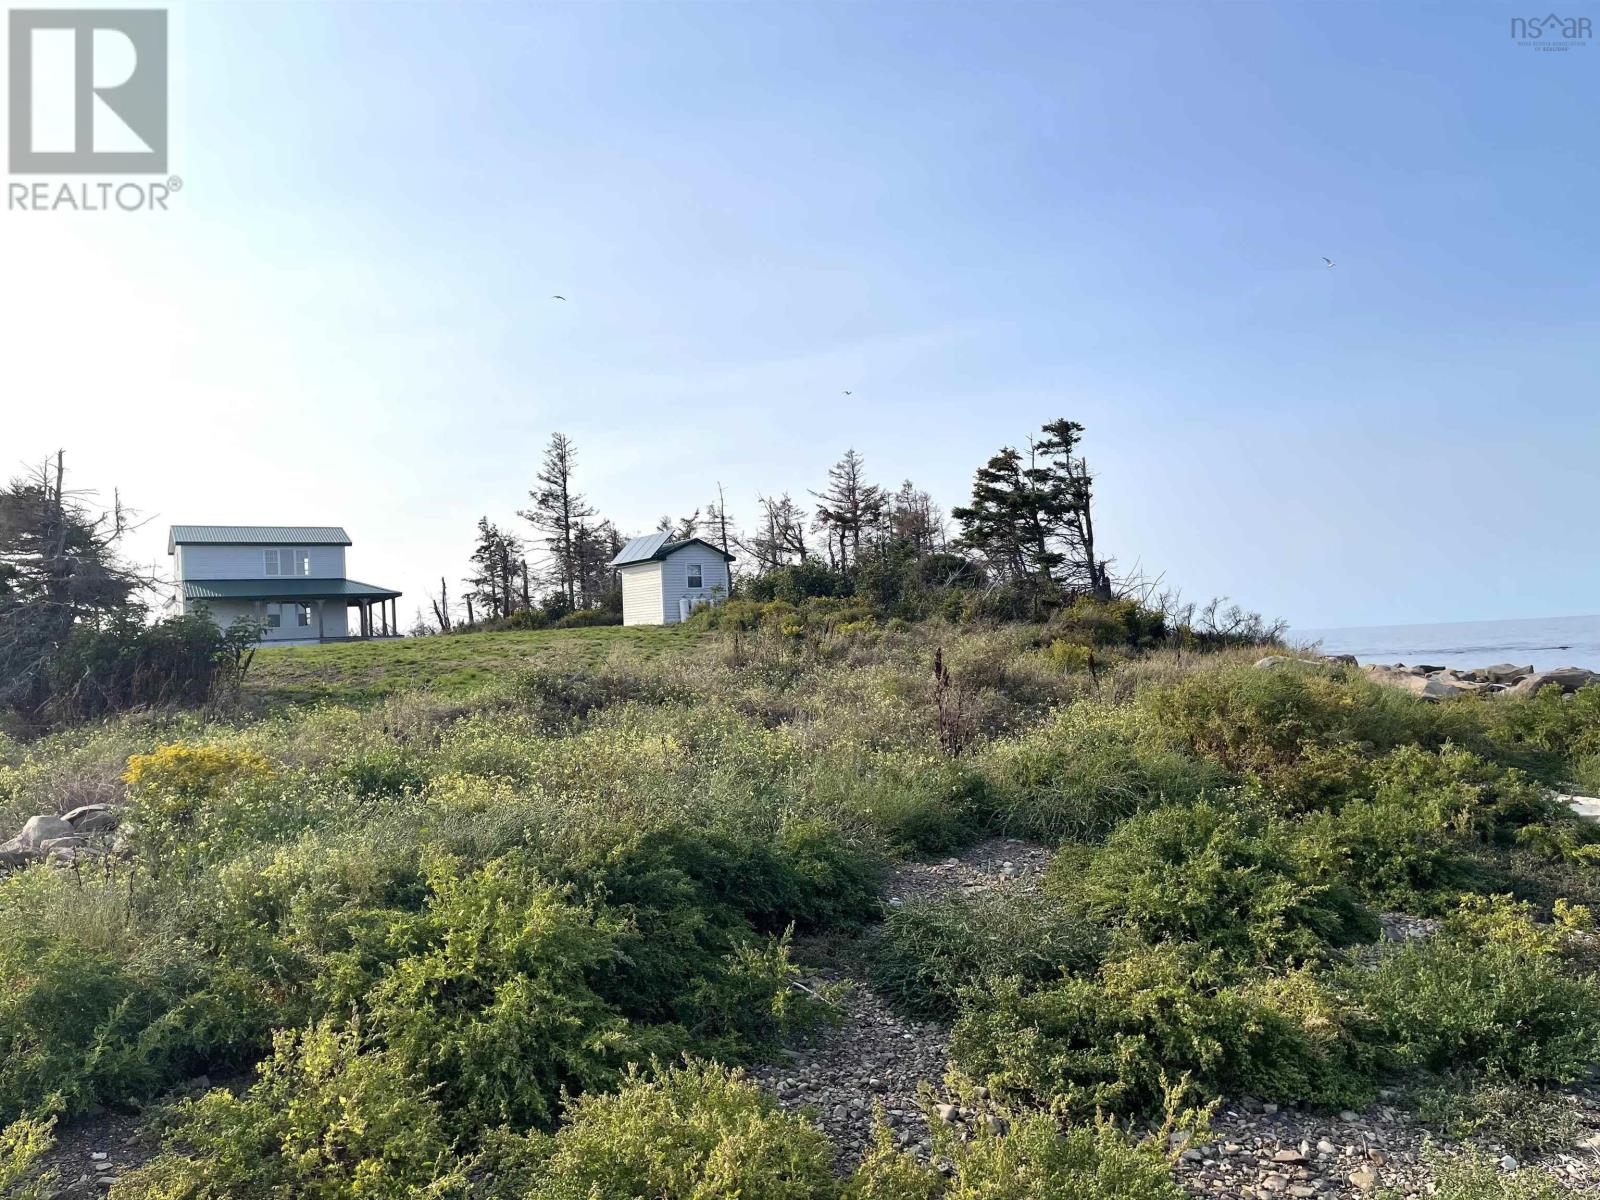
{"type": "Point", "coordinates": [975, 217]}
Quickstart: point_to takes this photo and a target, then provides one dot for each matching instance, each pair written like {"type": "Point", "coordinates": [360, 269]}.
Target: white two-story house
{"type": "Point", "coordinates": [289, 578]}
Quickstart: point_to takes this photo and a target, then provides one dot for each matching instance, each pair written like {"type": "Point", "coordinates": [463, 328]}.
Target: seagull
{"type": "Point", "coordinates": [849, 393]}
{"type": "Point", "coordinates": [1327, 260]}
{"type": "Point", "coordinates": [563, 297]}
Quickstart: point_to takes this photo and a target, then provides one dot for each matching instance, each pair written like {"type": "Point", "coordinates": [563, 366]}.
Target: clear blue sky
{"type": "Point", "coordinates": [976, 217]}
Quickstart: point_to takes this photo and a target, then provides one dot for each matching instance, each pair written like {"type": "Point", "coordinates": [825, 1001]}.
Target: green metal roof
{"type": "Point", "coordinates": [655, 546]}
{"type": "Point", "coordinates": [256, 535]}
{"type": "Point", "coordinates": [283, 589]}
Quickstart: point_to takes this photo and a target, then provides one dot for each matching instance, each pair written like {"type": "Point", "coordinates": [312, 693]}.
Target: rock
{"type": "Point", "coordinates": [1419, 684]}
{"type": "Point", "coordinates": [1508, 1163]}
{"type": "Point", "coordinates": [1342, 660]}
{"type": "Point", "coordinates": [1363, 1179]}
{"type": "Point", "coordinates": [1273, 660]}
{"type": "Point", "coordinates": [1292, 1158]}
{"type": "Point", "coordinates": [42, 829]}
{"type": "Point", "coordinates": [92, 818]}
{"type": "Point", "coordinates": [30, 845]}
{"type": "Point", "coordinates": [1504, 673]}
{"type": "Point", "coordinates": [1568, 679]}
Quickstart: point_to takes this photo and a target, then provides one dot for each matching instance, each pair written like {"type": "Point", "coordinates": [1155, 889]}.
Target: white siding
{"type": "Point", "coordinates": [675, 578]}
{"type": "Point", "coordinates": [335, 619]}
{"type": "Point", "coordinates": [249, 562]}
{"type": "Point", "coordinates": [641, 594]}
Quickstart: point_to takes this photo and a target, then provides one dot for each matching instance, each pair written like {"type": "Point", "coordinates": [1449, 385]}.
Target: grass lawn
{"type": "Point", "coordinates": [359, 672]}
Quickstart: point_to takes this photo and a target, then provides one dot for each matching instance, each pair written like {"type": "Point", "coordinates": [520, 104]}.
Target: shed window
{"type": "Point", "coordinates": [696, 579]}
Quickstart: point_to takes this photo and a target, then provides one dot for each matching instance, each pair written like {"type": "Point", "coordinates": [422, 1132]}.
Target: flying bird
{"type": "Point", "coordinates": [563, 297]}
{"type": "Point", "coordinates": [1327, 260]}
{"type": "Point", "coordinates": [849, 393]}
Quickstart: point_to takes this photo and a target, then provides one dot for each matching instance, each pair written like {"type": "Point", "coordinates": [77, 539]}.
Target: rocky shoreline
{"type": "Point", "coordinates": [1441, 683]}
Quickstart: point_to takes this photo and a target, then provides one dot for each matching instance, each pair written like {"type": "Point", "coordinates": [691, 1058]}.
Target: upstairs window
{"type": "Point", "coordinates": [281, 560]}
{"type": "Point", "coordinates": [696, 579]}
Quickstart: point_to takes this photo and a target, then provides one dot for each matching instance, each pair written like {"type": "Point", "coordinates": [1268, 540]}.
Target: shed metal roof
{"type": "Point", "coordinates": [284, 589]}
{"type": "Point", "coordinates": [256, 535]}
{"type": "Point", "coordinates": [657, 546]}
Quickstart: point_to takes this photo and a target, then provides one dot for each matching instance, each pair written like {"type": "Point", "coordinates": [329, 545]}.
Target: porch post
{"type": "Point", "coordinates": [320, 634]}
{"type": "Point", "coordinates": [383, 612]}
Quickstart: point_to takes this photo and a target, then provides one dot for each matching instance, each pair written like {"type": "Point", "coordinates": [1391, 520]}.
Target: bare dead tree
{"type": "Point", "coordinates": [441, 607]}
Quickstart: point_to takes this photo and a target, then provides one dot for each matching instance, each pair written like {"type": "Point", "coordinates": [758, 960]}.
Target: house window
{"type": "Point", "coordinates": [696, 579]}
{"type": "Point", "coordinates": [302, 615]}
{"type": "Point", "coordinates": [274, 616]}
{"type": "Point", "coordinates": [281, 560]}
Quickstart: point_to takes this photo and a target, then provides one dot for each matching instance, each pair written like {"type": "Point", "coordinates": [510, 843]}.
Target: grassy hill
{"type": "Point", "coordinates": [490, 871]}
{"type": "Point", "coordinates": [360, 672]}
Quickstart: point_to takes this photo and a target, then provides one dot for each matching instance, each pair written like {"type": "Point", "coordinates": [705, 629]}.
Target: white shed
{"type": "Point", "coordinates": [663, 580]}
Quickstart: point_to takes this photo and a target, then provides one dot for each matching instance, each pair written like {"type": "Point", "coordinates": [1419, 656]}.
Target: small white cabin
{"type": "Point", "coordinates": [663, 580]}
{"type": "Point", "coordinates": [289, 579]}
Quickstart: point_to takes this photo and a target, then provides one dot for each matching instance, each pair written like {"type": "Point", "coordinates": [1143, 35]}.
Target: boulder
{"type": "Point", "coordinates": [1437, 687]}
{"type": "Point", "coordinates": [43, 829]}
{"type": "Point", "coordinates": [1440, 688]}
{"type": "Point", "coordinates": [1273, 660]}
{"type": "Point", "coordinates": [1503, 673]}
{"type": "Point", "coordinates": [92, 818]}
{"type": "Point", "coordinates": [1568, 679]}
{"type": "Point", "coordinates": [1346, 660]}
{"type": "Point", "coordinates": [34, 840]}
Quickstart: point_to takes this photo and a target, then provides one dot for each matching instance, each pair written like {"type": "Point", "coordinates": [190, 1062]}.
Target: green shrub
{"type": "Point", "coordinates": [1085, 768]}
{"type": "Point", "coordinates": [381, 774]}
{"type": "Point", "coordinates": [1303, 732]}
{"type": "Point", "coordinates": [23, 1146]}
{"type": "Point", "coordinates": [1476, 1176]}
{"type": "Point", "coordinates": [1123, 623]}
{"type": "Point", "coordinates": [1549, 733]}
{"type": "Point", "coordinates": [589, 618]}
{"type": "Point", "coordinates": [496, 1012]}
{"type": "Point", "coordinates": [1121, 1041]}
{"type": "Point", "coordinates": [90, 1023]}
{"type": "Point", "coordinates": [1488, 991]}
{"type": "Point", "coordinates": [1475, 799]}
{"type": "Point", "coordinates": [1228, 879]}
{"type": "Point", "coordinates": [327, 1116]}
{"type": "Point", "coordinates": [690, 1132]}
{"type": "Point", "coordinates": [928, 950]}
{"type": "Point", "coordinates": [1012, 1156]}
{"type": "Point", "coordinates": [915, 802]}
{"type": "Point", "coordinates": [1525, 1120]}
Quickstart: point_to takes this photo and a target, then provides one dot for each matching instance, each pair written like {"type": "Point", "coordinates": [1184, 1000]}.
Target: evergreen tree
{"type": "Point", "coordinates": [60, 568]}
{"type": "Point", "coordinates": [497, 563]}
{"type": "Point", "coordinates": [557, 513]}
{"type": "Point", "coordinates": [848, 507]}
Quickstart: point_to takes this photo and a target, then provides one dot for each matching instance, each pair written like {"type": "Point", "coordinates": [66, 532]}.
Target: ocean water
{"type": "Point", "coordinates": [1543, 641]}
